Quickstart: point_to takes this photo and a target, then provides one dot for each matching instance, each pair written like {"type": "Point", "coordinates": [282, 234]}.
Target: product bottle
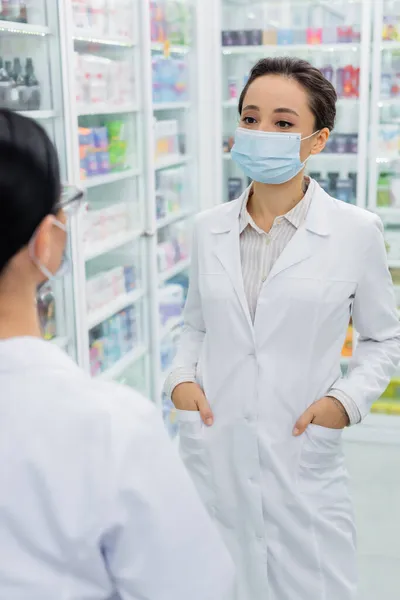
{"type": "Point", "coordinates": [5, 86]}
{"type": "Point", "coordinates": [13, 10]}
{"type": "Point", "coordinates": [20, 85]}
{"type": "Point", "coordinates": [11, 84]}
{"type": "Point", "coordinates": [23, 16]}
{"type": "Point", "coordinates": [33, 91]}
{"type": "Point", "coordinates": [333, 179]}
{"type": "Point", "coordinates": [4, 10]}
{"type": "Point", "coordinates": [13, 73]}
{"type": "Point", "coordinates": [353, 179]}
{"type": "Point", "coordinates": [340, 82]}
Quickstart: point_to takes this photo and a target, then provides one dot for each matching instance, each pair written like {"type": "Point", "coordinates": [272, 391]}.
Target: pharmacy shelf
{"type": "Point", "coordinates": [388, 214]}
{"type": "Point", "coordinates": [121, 365]}
{"type": "Point", "coordinates": [173, 218]}
{"type": "Point", "coordinates": [263, 50]}
{"type": "Point", "coordinates": [171, 161]}
{"type": "Point", "coordinates": [383, 160]}
{"type": "Point", "coordinates": [102, 314]}
{"type": "Point", "coordinates": [91, 182]}
{"type": "Point", "coordinates": [334, 156]}
{"type": "Point", "coordinates": [161, 106]}
{"type": "Point", "coordinates": [23, 28]}
{"type": "Point", "coordinates": [181, 266]}
{"type": "Point", "coordinates": [170, 326]}
{"type": "Point", "coordinates": [376, 428]}
{"type": "Point", "coordinates": [107, 110]}
{"type": "Point", "coordinates": [166, 48]}
{"type": "Point", "coordinates": [39, 115]}
{"type": "Point", "coordinates": [387, 102]}
{"type": "Point", "coordinates": [89, 37]}
{"type": "Point", "coordinates": [390, 46]}
{"type": "Point", "coordinates": [99, 248]}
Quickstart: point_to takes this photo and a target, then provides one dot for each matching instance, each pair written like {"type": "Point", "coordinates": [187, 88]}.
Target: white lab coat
{"type": "Point", "coordinates": [282, 503]}
{"type": "Point", "coordinates": [92, 491]}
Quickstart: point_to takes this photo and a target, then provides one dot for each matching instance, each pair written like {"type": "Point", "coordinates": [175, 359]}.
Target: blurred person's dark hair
{"type": "Point", "coordinates": [30, 185]}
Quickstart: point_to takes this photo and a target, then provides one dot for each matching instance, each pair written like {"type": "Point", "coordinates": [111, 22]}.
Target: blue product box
{"type": "Point", "coordinates": [285, 37]}
{"type": "Point", "coordinates": [130, 278]}
{"type": "Point", "coordinates": [92, 167]}
{"type": "Point", "coordinates": [100, 138]}
{"type": "Point", "coordinates": [103, 162]}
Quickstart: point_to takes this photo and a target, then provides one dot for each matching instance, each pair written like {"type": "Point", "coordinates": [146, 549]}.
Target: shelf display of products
{"type": "Point", "coordinates": [112, 340]}
{"type": "Point", "coordinates": [312, 36]}
{"type": "Point", "coordinates": [173, 248]}
{"type": "Point", "coordinates": [104, 17]}
{"type": "Point", "coordinates": [14, 10]}
{"type": "Point", "coordinates": [102, 149]}
{"type": "Point", "coordinates": [170, 79]}
{"type": "Point", "coordinates": [103, 82]}
{"type": "Point", "coordinates": [171, 195]}
{"type": "Point", "coordinates": [31, 83]}
{"type": "Point", "coordinates": [19, 87]}
{"type": "Point", "coordinates": [171, 21]}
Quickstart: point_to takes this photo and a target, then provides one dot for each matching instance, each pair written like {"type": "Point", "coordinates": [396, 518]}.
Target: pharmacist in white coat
{"type": "Point", "coordinates": [94, 500]}
{"type": "Point", "coordinates": [275, 277]}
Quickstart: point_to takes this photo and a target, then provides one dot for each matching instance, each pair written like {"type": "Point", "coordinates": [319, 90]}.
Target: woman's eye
{"type": "Point", "coordinates": [249, 120]}
{"type": "Point", "coordinates": [284, 124]}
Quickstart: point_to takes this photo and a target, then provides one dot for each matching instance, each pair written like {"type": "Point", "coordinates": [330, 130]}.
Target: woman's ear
{"type": "Point", "coordinates": [42, 240]}
{"type": "Point", "coordinates": [320, 141]}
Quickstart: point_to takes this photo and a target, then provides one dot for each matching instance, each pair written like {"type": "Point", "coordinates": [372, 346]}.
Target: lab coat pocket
{"type": "Point", "coordinates": [321, 466]}
{"type": "Point", "coordinates": [322, 446]}
{"type": "Point", "coordinates": [192, 449]}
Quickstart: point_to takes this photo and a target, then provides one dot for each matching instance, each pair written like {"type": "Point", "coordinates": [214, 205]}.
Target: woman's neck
{"type": "Point", "coordinates": [18, 314]}
{"type": "Point", "coordinates": [270, 201]}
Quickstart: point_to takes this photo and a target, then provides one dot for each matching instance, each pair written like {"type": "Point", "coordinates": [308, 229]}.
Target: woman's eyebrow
{"type": "Point", "coordinates": [251, 107]}
{"type": "Point", "coordinates": [286, 110]}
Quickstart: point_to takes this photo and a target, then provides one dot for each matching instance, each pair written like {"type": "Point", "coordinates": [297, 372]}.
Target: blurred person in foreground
{"type": "Point", "coordinates": [94, 501]}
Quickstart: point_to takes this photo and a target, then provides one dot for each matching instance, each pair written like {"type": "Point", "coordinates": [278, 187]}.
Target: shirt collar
{"type": "Point", "coordinates": [296, 216]}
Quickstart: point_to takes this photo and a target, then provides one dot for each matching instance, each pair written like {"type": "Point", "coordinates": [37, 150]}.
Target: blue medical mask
{"type": "Point", "coordinates": [268, 156]}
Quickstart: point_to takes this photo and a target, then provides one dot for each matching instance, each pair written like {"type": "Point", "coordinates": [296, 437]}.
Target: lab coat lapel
{"type": "Point", "coordinates": [305, 241]}
{"type": "Point", "coordinates": [227, 249]}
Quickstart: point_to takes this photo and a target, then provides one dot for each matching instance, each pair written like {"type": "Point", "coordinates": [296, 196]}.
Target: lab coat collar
{"type": "Point", "coordinates": [21, 353]}
{"type": "Point", "coordinates": [317, 220]}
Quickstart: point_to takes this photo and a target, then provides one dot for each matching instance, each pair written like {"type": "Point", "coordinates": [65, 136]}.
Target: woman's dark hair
{"type": "Point", "coordinates": [30, 185]}
{"type": "Point", "coordinates": [321, 93]}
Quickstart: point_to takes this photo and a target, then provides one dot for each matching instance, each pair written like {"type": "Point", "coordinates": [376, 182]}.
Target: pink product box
{"type": "Point", "coordinates": [104, 288]}
{"type": "Point", "coordinates": [105, 223]}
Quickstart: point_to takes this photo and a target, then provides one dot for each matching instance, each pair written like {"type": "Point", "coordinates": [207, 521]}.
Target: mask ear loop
{"type": "Point", "coordinates": [42, 268]}
{"type": "Point", "coordinates": [310, 136]}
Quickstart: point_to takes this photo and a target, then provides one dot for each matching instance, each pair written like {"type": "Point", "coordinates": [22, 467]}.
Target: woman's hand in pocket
{"type": "Point", "coordinates": [327, 412]}
{"type": "Point", "coordinates": [190, 396]}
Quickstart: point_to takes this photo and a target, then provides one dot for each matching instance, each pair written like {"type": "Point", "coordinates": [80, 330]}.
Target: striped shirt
{"type": "Point", "coordinates": [259, 252]}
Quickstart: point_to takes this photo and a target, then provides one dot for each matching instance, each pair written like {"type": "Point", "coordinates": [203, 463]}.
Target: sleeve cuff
{"type": "Point", "coordinates": [178, 376]}
{"type": "Point", "coordinates": [349, 405]}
